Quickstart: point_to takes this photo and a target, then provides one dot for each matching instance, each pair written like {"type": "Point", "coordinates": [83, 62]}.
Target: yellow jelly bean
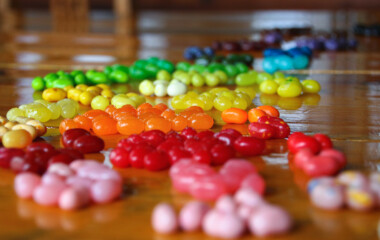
{"type": "Point", "coordinates": [53, 94]}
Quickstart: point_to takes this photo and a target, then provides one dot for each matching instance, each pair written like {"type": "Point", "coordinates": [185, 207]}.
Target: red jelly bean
{"type": "Point", "coordinates": [73, 153]}
{"type": "Point", "coordinates": [60, 158]}
{"type": "Point", "coordinates": [136, 156]}
{"type": "Point", "coordinates": [69, 136]}
{"type": "Point", "coordinates": [319, 166]}
{"type": "Point", "coordinates": [261, 130]}
{"type": "Point", "coordinates": [304, 141]}
{"type": "Point", "coordinates": [7, 154]}
{"type": "Point", "coordinates": [202, 156]}
{"type": "Point", "coordinates": [337, 155]}
{"type": "Point", "coordinates": [153, 137]}
{"type": "Point", "coordinates": [205, 134]}
{"type": "Point", "coordinates": [232, 132]}
{"type": "Point", "coordinates": [282, 129]}
{"type": "Point", "coordinates": [119, 157]}
{"type": "Point", "coordinates": [221, 153]}
{"type": "Point", "coordinates": [126, 144]}
{"type": "Point", "coordinates": [193, 144]}
{"type": "Point", "coordinates": [189, 132]}
{"type": "Point", "coordinates": [89, 144]}
{"type": "Point", "coordinates": [24, 165]}
{"type": "Point", "coordinates": [324, 140]}
{"type": "Point", "coordinates": [156, 161]}
{"type": "Point", "coordinates": [226, 138]}
{"type": "Point", "coordinates": [40, 147]}
{"type": "Point", "coordinates": [249, 146]}
{"type": "Point", "coordinates": [135, 139]}
{"type": "Point", "coordinates": [169, 144]}
{"type": "Point", "coordinates": [177, 153]}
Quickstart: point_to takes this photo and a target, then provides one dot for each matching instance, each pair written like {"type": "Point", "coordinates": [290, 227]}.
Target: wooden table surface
{"type": "Point", "coordinates": [347, 109]}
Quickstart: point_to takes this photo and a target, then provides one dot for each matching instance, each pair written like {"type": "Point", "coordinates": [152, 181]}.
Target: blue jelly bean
{"type": "Point", "coordinates": [209, 51]}
{"type": "Point", "coordinates": [332, 44]}
{"type": "Point", "coordinates": [300, 62]}
{"type": "Point", "coordinates": [284, 62]}
{"type": "Point", "coordinates": [295, 52]}
{"type": "Point", "coordinates": [270, 52]}
{"type": "Point", "coordinates": [269, 65]}
{"type": "Point", "coordinates": [188, 55]}
{"type": "Point", "coordinates": [307, 51]}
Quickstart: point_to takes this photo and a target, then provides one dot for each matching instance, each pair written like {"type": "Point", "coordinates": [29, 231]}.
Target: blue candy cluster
{"type": "Point", "coordinates": [277, 59]}
{"type": "Point", "coordinates": [194, 52]}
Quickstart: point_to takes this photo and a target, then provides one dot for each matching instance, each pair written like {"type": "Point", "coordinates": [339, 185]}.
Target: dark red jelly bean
{"type": "Point", "coordinates": [249, 146]}
{"type": "Point", "coordinates": [232, 132]}
{"type": "Point", "coordinates": [119, 157]}
{"type": "Point", "coordinates": [124, 143]}
{"type": "Point", "coordinates": [60, 158]}
{"type": "Point", "coordinates": [69, 136]}
{"type": "Point", "coordinates": [7, 154]}
{"type": "Point", "coordinates": [156, 161]}
{"type": "Point", "coordinates": [173, 135]}
{"type": "Point", "coordinates": [324, 140]}
{"type": "Point", "coordinates": [73, 153]}
{"type": "Point", "coordinates": [261, 130]}
{"type": "Point", "coordinates": [24, 165]}
{"type": "Point", "coordinates": [89, 144]}
{"type": "Point", "coordinates": [40, 147]}
{"type": "Point", "coordinates": [282, 129]}
{"type": "Point", "coordinates": [221, 153]}
{"type": "Point", "coordinates": [192, 145]}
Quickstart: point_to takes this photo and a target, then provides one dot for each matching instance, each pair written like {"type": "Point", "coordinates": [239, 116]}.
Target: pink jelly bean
{"type": "Point", "coordinates": [319, 166]}
{"type": "Point", "coordinates": [234, 171]}
{"type": "Point", "coordinates": [244, 212]}
{"type": "Point", "coordinates": [164, 219]}
{"type": "Point", "coordinates": [248, 197]}
{"type": "Point", "coordinates": [353, 179]}
{"type": "Point", "coordinates": [302, 157]}
{"type": "Point", "coordinates": [327, 196]}
{"type": "Point", "coordinates": [79, 181]}
{"type": "Point", "coordinates": [223, 225]}
{"type": "Point", "coordinates": [255, 182]}
{"type": "Point", "coordinates": [48, 195]}
{"type": "Point", "coordinates": [269, 220]}
{"type": "Point", "coordinates": [360, 199]}
{"type": "Point", "coordinates": [179, 166]}
{"type": "Point", "coordinates": [182, 182]}
{"type": "Point", "coordinates": [75, 165]}
{"type": "Point", "coordinates": [337, 155]}
{"type": "Point", "coordinates": [98, 172]}
{"type": "Point", "coordinates": [26, 183]}
{"type": "Point", "coordinates": [104, 191]}
{"type": "Point", "coordinates": [208, 188]}
{"type": "Point", "coordinates": [192, 214]}
{"type": "Point", "coordinates": [74, 198]}
{"type": "Point", "coordinates": [60, 169]}
{"type": "Point", "coordinates": [226, 204]}
{"type": "Point", "coordinates": [52, 178]}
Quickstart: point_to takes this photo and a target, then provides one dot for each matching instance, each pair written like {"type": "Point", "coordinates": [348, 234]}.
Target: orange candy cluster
{"type": "Point", "coordinates": [239, 116]}
{"type": "Point", "coordinates": [128, 120]}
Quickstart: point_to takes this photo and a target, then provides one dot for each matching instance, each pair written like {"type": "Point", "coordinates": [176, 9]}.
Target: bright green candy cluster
{"type": "Point", "coordinates": [231, 70]}
{"type": "Point", "coordinates": [218, 98]}
{"type": "Point", "coordinates": [44, 111]}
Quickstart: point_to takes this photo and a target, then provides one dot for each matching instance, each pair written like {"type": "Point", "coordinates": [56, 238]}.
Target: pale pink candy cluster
{"type": "Point", "coordinates": [71, 186]}
{"type": "Point", "coordinates": [230, 217]}
{"type": "Point", "coordinates": [203, 183]}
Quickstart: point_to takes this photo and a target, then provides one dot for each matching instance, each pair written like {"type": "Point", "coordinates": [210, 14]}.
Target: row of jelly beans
{"type": "Point", "coordinates": [129, 120]}
{"type": "Point", "coordinates": [280, 60]}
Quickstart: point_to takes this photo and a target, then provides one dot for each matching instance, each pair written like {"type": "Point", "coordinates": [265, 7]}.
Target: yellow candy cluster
{"type": "Point", "coordinates": [218, 98]}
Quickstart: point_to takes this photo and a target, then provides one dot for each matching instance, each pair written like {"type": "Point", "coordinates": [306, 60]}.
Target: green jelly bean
{"type": "Point", "coordinates": [108, 70]}
{"type": "Point", "coordinates": [197, 80]}
{"type": "Point", "coordinates": [119, 76]}
{"type": "Point", "coordinates": [63, 82]}
{"type": "Point", "coordinates": [245, 79]}
{"type": "Point", "coordinates": [141, 63]}
{"type": "Point", "coordinates": [153, 60]}
{"type": "Point", "coordinates": [38, 84]}
{"type": "Point", "coordinates": [152, 69]}
{"type": "Point", "coordinates": [231, 70]}
{"type": "Point", "coordinates": [198, 68]}
{"type": "Point", "coordinates": [120, 67]}
{"type": "Point", "coordinates": [60, 73]}
{"type": "Point", "coordinates": [51, 76]}
{"type": "Point", "coordinates": [184, 66]}
{"type": "Point", "coordinates": [166, 65]}
{"type": "Point", "coordinates": [242, 68]}
{"type": "Point", "coordinates": [212, 80]}
{"type": "Point", "coordinates": [163, 75]}
{"type": "Point", "coordinates": [89, 73]}
{"type": "Point", "coordinates": [80, 79]}
{"type": "Point", "coordinates": [215, 67]}
{"type": "Point", "coordinates": [261, 77]}
{"type": "Point", "coordinates": [222, 76]}
{"type": "Point", "coordinates": [137, 73]}
{"type": "Point", "coordinates": [278, 75]}
{"type": "Point", "coordinates": [99, 77]}
{"type": "Point", "coordinates": [76, 72]}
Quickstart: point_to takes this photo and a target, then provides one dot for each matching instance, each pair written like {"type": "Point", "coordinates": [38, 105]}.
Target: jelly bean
{"type": "Point", "coordinates": [245, 79]}
{"type": "Point", "coordinates": [320, 166]}
{"type": "Point", "coordinates": [130, 126]}
{"type": "Point", "coordinates": [156, 161]}
{"type": "Point", "coordinates": [88, 144]}
{"type": "Point", "coordinates": [234, 171]}
{"type": "Point", "coordinates": [191, 216]}
{"type": "Point", "coordinates": [360, 199]}
{"type": "Point", "coordinates": [69, 136]}
{"type": "Point", "coordinates": [16, 139]}
{"type": "Point", "coordinates": [269, 110]}
{"type": "Point", "coordinates": [324, 140]}
{"type": "Point", "coordinates": [302, 141]}
{"type": "Point", "coordinates": [255, 182]}
{"type": "Point", "coordinates": [223, 225]}
{"type": "Point", "coordinates": [291, 89]}
{"type": "Point", "coordinates": [234, 115]}
{"type": "Point", "coordinates": [353, 179]}
{"type": "Point", "coordinates": [254, 114]}
{"type": "Point", "coordinates": [221, 153]}
{"type": "Point", "coordinates": [104, 126]}
{"type": "Point", "coordinates": [200, 121]}
{"type": "Point", "coordinates": [25, 184]}
{"type": "Point", "coordinates": [53, 94]}
{"type": "Point", "coordinates": [73, 198]}
{"type": "Point", "coordinates": [327, 196]}
{"type": "Point", "coordinates": [48, 195]}
{"type": "Point", "coordinates": [269, 87]}
{"type": "Point", "coordinates": [104, 191]}
{"type": "Point", "coordinates": [261, 130]}
{"type": "Point", "coordinates": [310, 86]}
{"type": "Point", "coordinates": [249, 146]}
{"type": "Point", "coordinates": [164, 219]}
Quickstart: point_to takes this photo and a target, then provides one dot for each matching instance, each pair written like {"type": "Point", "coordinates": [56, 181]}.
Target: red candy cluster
{"type": "Point", "coordinates": [268, 127]}
{"type": "Point", "coordinates": [38, 156]}
{"type": "Point", "coordinates": [315, 155]}
{"type": "Point", "coordinates": [155, 150]}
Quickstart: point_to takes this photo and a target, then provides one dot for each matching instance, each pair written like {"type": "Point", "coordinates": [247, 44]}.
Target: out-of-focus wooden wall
{"type": "Point", "coordinates": [219, 4]}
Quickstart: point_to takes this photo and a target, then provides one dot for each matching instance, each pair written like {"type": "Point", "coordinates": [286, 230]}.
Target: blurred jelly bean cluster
{"type": "Point", "coordinates": [322, 43]}
{"type": "Point", "coordinates": [367, 29]}
{"type": "Point", "coordinates": [277, 59]}
{"type": "Point", "coordinates": [352, 189]}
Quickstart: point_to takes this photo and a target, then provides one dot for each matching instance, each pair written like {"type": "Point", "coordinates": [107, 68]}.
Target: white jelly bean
{"type": "Point", "coordinates": [327, 196]}
{"type": "Point", "coordinates": [192, 214]}
{"type": "Point", "coordinates": [164, 219]}
{"type": "Point", "coordinates": [176, 88]}
{"type": "Point", "coordinates": [226, 204]}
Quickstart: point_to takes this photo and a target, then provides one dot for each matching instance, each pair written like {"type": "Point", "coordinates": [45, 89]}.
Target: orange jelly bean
{"type": "Point", "coordinates": [67, 124]}
{"type": "Point", "coordinates": [179, 123]}
{"type": "Point", "coordinates": [168, 114]}
{"type": "Point", "coordinates": [254, 114]}
{"type": "Point", "coordinates": [144, 106]}
{"type": "Point", "coordinates": [234, 115]}
{"type": "Point", "coordinates": [158, 123]}
{"type": "Point", "coordinates": [104, 126]}
{"type": "Point", "coordinates": [150, 110]}
{"type": "Point", "coordinates": [130, 126]}
{"type": "Point", "coordinates": [200, 121]}
{"type": "Point", "coordinates": [269, 110]}
{"type": "Point", "coordinates": [91, 114]}
{"type": "Point", "coordinates": [161, 106]}
{"type": "Point", "coordinates": [110, 109]}
{"type": "Point", "coordinates": [84, 122]}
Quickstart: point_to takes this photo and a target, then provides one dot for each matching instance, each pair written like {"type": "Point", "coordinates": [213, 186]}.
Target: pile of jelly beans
{"type": "Point", "coordinates": [230, 70]}
{"type": "Point", "coordinates": [218, 98]}
{"type": "Point", "coordinates": [322, 43]}
{"type": "Point", "coordinates": [20, 132]}
{"type": "Point", "coordinates": [205, 59]}
{"type": "Point", "coordinates": [236, 46]}
{"type": "Point", "coordinates": [44, 111]}
{"type": "Point", "coordinates": [194, 52]}
{"type": "Point", "coordinates": [162, 88]}
{"type": "Point", "coordinates": [352, 189]}
{"type": "Point", "coordinates": [128, 120]}
{"type": "Point", "coordinates": [314, 155]}
{"type": "Point", "coordinates": [239, 116]}
{"type": "Point", "coordinates": [278, 59]}
{"type": "Point", "coordinates": [155, 150]}
{"type": "Point", "coordinates": [71, 186]}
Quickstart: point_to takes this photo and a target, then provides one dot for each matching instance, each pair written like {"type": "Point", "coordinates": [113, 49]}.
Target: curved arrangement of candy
{"type": "Point", "coordinates": [322, 43]}
{"type": "Point", "coordinates": [156, 151]}
{"type": "Point", "coordinates": [128, 120]}
{"type": "Point", "coordinates": [71, 186]}
{"type": "Point", "coordinates": [350, 188]}
{"type": "Point", "coordinates": [278, 59]}
{"type": "Point", "coordinates": [230, 217]}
